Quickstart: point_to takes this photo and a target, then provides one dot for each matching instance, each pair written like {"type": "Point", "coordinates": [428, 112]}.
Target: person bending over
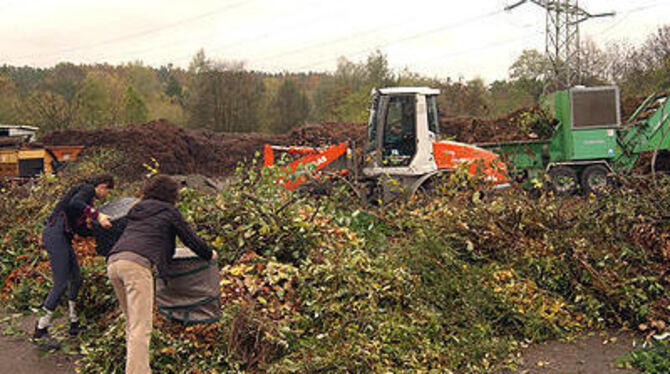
{"type": "Point", "coordinates": [71, 215]}
{"type": "Point", "coordinates": [147, 242]}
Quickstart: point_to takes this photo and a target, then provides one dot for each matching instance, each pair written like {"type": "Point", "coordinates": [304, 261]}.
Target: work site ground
{"type": "Point", "coordinates": [589, 354]}
{"type": "Point", "coordinates": [19, 355]}
{"type": "Point", "coordinates": [596, 352]}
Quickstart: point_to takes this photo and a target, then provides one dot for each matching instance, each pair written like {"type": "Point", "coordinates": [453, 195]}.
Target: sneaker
{"type": "Point", "coordinates": [40, 333]}
{"type": "Point", "coordinates": [43, 341]}
{"type": "Point", "coordinates": [75, 328]}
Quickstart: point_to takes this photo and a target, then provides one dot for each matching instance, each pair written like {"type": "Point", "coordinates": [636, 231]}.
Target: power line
{"type": "Point", "coordinates": [470, 51]}
{"type": "Point", "coordinates": [327, 43]}
{"type": "Point", "coordinates": [251, 39]}
{"type": "Point", "coordinates": [367, 33]}
{"type": "Point", "coordinates": [627, 13]}
{"type": "Point", "coordinates": [413, 36]}
{"type": "Point", "coordinates": [495, 44]}
{"type": "Point", "coordinates": [144, 32]}
{"type": "Point", "coordinates": [7, 4]}
{"type": "Point", "coordinates": [491, 45]}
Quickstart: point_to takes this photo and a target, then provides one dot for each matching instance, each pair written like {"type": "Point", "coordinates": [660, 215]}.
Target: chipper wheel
{"type": "Point", "coordinates": [594, 179]}
{"type": "Point", "coordinates": [564, 180]}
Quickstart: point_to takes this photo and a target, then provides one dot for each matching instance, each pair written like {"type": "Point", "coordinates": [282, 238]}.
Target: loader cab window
{"type": "Point", "coordinates": [431, 108]}
{"type": "Point", "coordinates": [399, 137]}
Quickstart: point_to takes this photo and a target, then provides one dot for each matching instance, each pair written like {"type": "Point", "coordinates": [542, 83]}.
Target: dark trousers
{"type": "Point", "coordinates": [64, 265]}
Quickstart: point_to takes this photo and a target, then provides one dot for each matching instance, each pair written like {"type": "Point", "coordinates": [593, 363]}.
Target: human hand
{"type": "Point", "coordinates": [214, 255]}
{"type": "Point", "coordinates": [104, 221]}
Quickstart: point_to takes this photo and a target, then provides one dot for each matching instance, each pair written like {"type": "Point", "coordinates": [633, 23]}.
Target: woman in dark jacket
{"type": "Point", "coordinates": [148, 241]}
{"type": "Point", "coordinates": [70, 216]}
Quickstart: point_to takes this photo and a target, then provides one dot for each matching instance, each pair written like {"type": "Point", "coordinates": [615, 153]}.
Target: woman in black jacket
{"type": "Point", "coordinates": [147, 242]}
{"type": "Point", "coordinates": [70, 216]}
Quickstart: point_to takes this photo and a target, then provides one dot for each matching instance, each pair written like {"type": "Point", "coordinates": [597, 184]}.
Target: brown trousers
{"type": "Point", "coordinates": [134, 287]}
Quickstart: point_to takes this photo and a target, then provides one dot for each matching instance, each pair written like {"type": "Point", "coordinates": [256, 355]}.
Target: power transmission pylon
{"type": "Point", "coordinates": [562, 40]}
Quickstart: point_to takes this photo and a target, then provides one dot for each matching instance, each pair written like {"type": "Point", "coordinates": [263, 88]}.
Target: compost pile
{"type": "Point", "coordinates": [522, 124]}
{"type": "Point", "coordinates": [184, 151]}
{"type": "Point", "coordinates": [189, 151]}
{"type": "Point", "coordinates": [328, 133]}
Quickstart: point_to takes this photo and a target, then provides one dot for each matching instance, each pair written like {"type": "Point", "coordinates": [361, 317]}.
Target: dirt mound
{"type": "Point", "coordinates": [192, 151]}
{"type": "Point", "coordinates": [526, 123]}
{"type": "Point", "coordinates": [189, 151]}
{"type": "Point", "coordinates": [328, 133]}
{"type": "Point", "coordinates": [179, 151]}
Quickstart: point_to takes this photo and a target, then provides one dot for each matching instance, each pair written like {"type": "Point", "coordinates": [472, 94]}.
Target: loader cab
{"type": "Point", "coordinates": [398, 145]}
{"type": "Point", "coordinates": [401, 131]}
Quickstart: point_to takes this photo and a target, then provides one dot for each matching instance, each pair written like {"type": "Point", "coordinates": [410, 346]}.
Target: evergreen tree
{"type": "Point", "coordinates": [173, 88]}
{"type": "Point", "coordinates": [292, 107]}
{"type": "Point", "coordinates": [134, 109]}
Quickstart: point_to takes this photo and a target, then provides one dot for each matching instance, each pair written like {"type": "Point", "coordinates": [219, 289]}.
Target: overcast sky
{"type": "Point", "coordinates": [440, 38]}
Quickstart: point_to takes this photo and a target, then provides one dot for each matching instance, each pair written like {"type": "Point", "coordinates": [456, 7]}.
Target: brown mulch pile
{"type": "Point", "coordinates": [328, 133]}
{"type": "Point", "coordinates": [191, 151]}
{"type": "Point", "coordinates": [522, 124]}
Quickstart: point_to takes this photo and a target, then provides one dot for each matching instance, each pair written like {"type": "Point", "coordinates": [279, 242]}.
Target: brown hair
{"type": "Point", "coordinates": [161, 187]}
{"type": "Point", "coordinates": [102, 179]}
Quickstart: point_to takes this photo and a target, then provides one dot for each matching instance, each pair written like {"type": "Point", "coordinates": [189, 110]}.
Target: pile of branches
{"type": "Point", "coordinates": [324, 283]}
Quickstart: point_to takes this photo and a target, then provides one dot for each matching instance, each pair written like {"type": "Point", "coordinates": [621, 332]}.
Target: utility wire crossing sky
{"type": "Point", "coordinates": [435, 38]}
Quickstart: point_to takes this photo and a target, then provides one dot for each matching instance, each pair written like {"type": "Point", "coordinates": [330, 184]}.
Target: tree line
{"type": "Point", "coordinates": [226, 96]}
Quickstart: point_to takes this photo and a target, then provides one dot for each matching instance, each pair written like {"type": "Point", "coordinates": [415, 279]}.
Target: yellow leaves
{"type": "Point", "coordinates": [504, 275]}
{"type": "Point", "coordinates": [267, 285]}
{"type": "Point", "coordinates": [153, 168]}
{"type": "Point", "coordinates": [239, 269]}
{"type": "Point", "coordinates": [527, 298]}
{"type": "Point", "coordinates": [612, 339]}
{"type": "Point", "coordinates": [167, 350]}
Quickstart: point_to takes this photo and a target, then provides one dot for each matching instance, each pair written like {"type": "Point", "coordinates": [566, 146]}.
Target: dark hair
{"type": "Point", "coordinates": [102, 179]}
{"type": "Point", "coordinates": [161, 187]}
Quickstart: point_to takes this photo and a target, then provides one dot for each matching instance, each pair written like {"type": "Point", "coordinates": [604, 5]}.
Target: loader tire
{"type": "Point", "coordinates": [425, 192]}
{"type": "Point", "coordinates": [564, 180]}
{"type": "Point", "coordinates": [595, 179]}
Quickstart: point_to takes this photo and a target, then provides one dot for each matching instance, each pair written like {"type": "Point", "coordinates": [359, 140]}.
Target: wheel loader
{"type": "Point", "coordinates": [402, 153]}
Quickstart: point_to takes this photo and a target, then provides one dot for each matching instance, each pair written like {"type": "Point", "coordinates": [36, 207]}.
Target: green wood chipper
{"type": "Point", "coordinates": [590, 141]}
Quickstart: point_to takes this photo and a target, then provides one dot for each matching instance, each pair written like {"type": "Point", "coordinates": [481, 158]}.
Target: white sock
{"type": "Point", "coordinates": [73, 313]}
{"type": "Point", "coordinates": [45, 320]}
